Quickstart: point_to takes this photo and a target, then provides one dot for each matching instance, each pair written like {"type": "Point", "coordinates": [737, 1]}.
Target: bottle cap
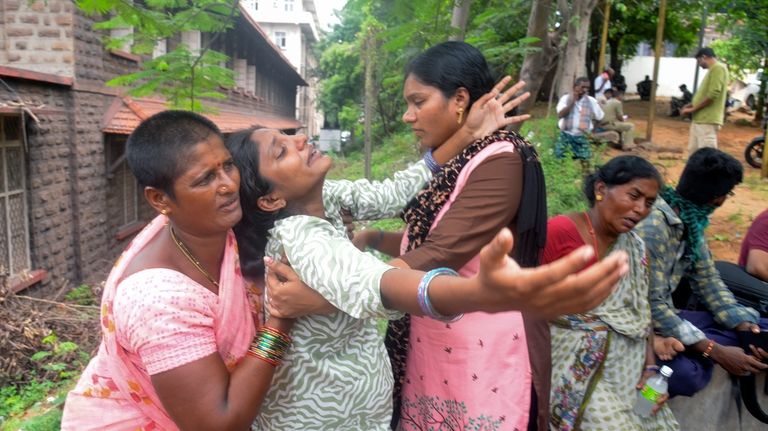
{"type": "Point", "coordinates": [666, 371]}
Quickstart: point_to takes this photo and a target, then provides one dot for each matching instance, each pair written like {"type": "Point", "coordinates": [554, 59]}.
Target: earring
{"type": "Point", "coordinates": [461, 115]}
{"type": "Point", "coordinates": [164, 212]}
{"type": "Point", "coordinates": [599, 198]}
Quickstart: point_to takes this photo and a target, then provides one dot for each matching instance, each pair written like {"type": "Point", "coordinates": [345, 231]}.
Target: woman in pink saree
{"type": "Point", "coordinates": [180, 344]}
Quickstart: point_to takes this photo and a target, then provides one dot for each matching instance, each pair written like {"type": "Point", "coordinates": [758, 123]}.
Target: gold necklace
{"type": "Point", "coordinates": [185, 251]}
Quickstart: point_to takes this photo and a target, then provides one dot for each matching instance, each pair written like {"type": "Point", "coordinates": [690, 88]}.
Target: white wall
{"type": "Point", "coordinates": [673, 71]}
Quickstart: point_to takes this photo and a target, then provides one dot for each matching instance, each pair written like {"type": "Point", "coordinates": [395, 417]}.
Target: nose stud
{"type": "Point", "coordinates": [223, 189]}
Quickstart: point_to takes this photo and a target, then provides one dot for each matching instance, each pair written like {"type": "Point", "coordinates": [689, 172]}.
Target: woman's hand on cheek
{"type": "Point", "coordinates": [288, 297]}
{"type": "Point", "coordinates": [551, 290]}
{"type": "Point", "coordinates": [487, 114]}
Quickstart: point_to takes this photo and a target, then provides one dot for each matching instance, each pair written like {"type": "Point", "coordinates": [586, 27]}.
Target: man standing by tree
{"type": "Point", "coordinates": [576, 111]}
{"type": "Point", "coordinates": [614, 119]}
{"type": "Point", "coordinates": [708, 106]}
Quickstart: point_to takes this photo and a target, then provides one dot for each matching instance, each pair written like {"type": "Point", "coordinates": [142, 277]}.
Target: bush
{"type": "Point", "coordinates": [565, 176]}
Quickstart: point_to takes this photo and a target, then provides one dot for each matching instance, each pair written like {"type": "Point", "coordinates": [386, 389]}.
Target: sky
{"type": "Point", "coordinates": [325, 11]}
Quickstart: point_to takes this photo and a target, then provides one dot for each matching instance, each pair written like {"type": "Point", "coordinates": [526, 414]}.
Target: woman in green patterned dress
{"type": "Point", "coordinates": [337, 374]}
{"type": "Point", "coordinates": [601, 357]}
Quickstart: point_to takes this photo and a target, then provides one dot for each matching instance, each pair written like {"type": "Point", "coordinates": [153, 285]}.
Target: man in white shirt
{"type": "Point", "coordinates": [602, 83]}
{"type": "Point", "coordinates": [576, 111]}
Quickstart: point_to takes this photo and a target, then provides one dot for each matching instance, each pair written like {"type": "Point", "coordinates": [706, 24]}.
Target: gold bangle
{"type": "Point", "coordinates": [708, 350]}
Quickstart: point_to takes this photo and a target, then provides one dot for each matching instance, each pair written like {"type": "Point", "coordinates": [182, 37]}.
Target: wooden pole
{"type": "Point", "coordinates": [657, 55]}
{"type": "Point", "coordinates": [369, 97]}
{"type": "Point", "coordinates": [604, 37]}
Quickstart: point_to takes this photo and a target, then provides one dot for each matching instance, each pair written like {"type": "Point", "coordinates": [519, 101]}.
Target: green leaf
{"type": "Point", "coordinates": [39, 356]}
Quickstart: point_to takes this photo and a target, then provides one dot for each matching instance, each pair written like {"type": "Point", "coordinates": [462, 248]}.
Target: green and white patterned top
{"type": "Point", "coordinates": [337, 375]}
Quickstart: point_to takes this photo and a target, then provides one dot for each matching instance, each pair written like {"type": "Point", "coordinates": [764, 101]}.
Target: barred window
{"type": "Point", "coordinates": [123, 195]}
{"type": "Point", "coordinates": [14, 226]}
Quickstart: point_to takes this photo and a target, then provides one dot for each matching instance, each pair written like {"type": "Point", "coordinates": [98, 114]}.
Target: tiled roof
{"type": "Point", "coordinates": [126, 113]}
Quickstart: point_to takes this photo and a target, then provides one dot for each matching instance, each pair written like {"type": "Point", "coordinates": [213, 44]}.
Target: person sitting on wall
{"type": "Point", "coordinates": [576, 111]}
{"type": "Point", "coordinates": [614, 119]}
{"type": "Point", "coordinates": [644, 88]}
{"type": "Point", "coordinates": [603, 84]}
{"type": "Point", "coordinates": [677, 249]}
{"type": "Point", "coordinates": [677, 103]}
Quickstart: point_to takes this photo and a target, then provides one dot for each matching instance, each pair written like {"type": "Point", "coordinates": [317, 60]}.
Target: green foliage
{"type": "Point", "coordinates": [181, 76]}
{"type": "Point", "coordinates": [59, 365]}
{"type": "Point", "coordinates": [563, 176]}
{"type": "Point", "coordinates": [81, 295]}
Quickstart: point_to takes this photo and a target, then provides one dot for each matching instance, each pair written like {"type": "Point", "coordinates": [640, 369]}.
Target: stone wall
{"type": "Point", "coordinates": [37, 36]}
{"type": "Point", "coordinates": [48, 167]}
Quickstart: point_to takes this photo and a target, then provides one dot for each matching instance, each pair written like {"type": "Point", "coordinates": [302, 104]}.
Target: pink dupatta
{"type": "Point", "coordinates": [233, 327]}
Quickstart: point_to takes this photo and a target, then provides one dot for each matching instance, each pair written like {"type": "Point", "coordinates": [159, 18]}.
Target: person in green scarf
{"type": "Point", "coordinates": [677, 250]}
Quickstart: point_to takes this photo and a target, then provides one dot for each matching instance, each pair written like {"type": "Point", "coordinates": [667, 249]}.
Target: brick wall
{"type": "Point", "coordinates": [37, 35]}
{"type": "Point", "coordinates": [48, 160]}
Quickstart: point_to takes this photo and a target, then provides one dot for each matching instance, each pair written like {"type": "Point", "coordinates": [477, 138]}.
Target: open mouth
{"type": "Point", "coordinates": [231, 204]}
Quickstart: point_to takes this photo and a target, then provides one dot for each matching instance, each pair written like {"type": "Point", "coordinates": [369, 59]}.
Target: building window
{"type": "Point", "coordinates": [14, 228]}
{"type": "Point", "coordinates": [126, 37]}
{"type": "Point", "coordinates": [255, 5]}
{"type": "Point", "coordinates": [280, 39]}
{"type": "Point", "coordinates": [123, 195]}
{"type": "Point", "coordinates": [288, 4]}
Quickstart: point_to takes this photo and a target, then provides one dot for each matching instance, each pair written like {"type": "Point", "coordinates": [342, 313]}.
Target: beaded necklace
{"type": "Point", "coordinates": [188, 254]}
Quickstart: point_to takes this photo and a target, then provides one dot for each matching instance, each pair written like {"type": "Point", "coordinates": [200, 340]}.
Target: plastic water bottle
{"type": "Point", "coordinates": [654, 387]}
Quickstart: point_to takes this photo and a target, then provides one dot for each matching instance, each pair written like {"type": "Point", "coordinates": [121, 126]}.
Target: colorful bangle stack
{"type": "Point", "coordinates": [652, 368]}
{"type": "Point", "coordinates": [269, 345]}
{"type": "Point", "coordinates": [423, 295]}
{"type": "Point", "coordinates": [431, 162]}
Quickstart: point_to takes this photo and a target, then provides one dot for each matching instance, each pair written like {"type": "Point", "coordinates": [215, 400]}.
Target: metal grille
{"type": "Point", "coordinates": [14, 229]}
{"type": "Point", "coordinates": [18, 229]}
{"type": "Point", "coordinates": [4, 262]}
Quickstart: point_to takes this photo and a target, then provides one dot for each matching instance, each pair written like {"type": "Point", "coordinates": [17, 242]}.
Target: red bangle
{"type": "Point", "coordinates": [709, 348]}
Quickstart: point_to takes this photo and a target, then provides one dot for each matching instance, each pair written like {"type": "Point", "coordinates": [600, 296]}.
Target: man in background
{"type": "Point", "coordinates": [708, 105]}
{"type": "Point", "coordinates": [603, 84]}
{"type": "Point", "coordinates": [614, 119]}
{"type": "Point", "coordinates": [576, 111]}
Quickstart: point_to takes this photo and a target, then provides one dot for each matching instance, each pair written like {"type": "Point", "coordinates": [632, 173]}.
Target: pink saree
{"type": "Point", "coordinates": [115, 390]}
{"type": "Point", "coordinates": [471, 374]}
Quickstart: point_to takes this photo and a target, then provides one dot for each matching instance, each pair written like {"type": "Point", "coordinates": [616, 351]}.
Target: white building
{"type": "Point", "coordinates": [292, 25]}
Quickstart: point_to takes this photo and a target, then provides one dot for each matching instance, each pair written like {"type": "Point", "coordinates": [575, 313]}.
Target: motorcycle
{"type": "Point", "coordinates": [754, 151]}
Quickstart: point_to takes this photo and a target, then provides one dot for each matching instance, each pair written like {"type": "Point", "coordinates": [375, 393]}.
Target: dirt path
{"type": "Point", "coordinates": [670, 135]}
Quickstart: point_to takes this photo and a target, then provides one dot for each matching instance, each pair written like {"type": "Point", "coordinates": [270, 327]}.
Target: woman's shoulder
{"type": "Point", "coordinates": [160, 283]}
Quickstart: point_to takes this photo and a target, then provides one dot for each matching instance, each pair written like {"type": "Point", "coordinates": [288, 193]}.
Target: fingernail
{"type": "Point", "coordinates": [588, 253]}
{"type": "Point", "coordinates": [268, 260]}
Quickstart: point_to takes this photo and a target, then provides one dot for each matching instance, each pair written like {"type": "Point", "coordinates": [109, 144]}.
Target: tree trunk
{"type": "Point", "coordinates": [574, 57]}
{"type": "Point", "coordinates": [370, 97]}
{"type": "Point", "coordinates": [459, 18]}
{"type": "Point", "coordinates": [536, 65]}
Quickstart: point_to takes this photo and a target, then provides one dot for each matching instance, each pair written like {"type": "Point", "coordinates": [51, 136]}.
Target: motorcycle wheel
{"type": "Point", "coordinates": [754, 152]}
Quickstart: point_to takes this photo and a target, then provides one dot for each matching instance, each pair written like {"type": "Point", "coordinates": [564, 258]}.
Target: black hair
{"type": "Point", "coordinates": [706, 51]}
{"type": "Point", "coordinates": [252, 232]}
{"type": "Point", "coordinates": [159, 148]}
{"type": "Point", "coordinates": [618, 171]}
{"type": "Point", "coordinates": [609, 91]}
{"type": "Point", "coordinates": [709, 174]}
{"type": "Point", "coordinates": [580, 79]}
{"type": "Point", "coordinates": [451, 65]}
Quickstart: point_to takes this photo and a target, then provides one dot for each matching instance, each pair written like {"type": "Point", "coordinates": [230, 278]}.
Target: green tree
{"type": "Point", "coordinates": [182, 76]}
{"type": "Point", "coordinates": [747, 48]}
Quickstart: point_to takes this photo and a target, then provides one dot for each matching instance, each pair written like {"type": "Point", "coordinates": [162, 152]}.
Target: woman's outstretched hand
{"type": "Point", "coordinates": [549, 290]}
{"type": "Point", "coordinates": [487, 114]}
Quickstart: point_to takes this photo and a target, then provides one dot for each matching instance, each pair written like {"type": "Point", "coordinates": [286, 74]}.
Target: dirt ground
{"type": "Point", "coordinates": [670, 139]}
